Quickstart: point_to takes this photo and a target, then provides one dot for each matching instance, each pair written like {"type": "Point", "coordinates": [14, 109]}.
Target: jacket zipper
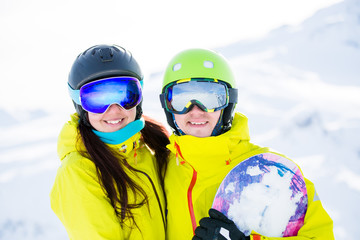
{"type": "Point", "coordinates": [189, 197]}
{"type": "Point", "coordinates": [189, 192]}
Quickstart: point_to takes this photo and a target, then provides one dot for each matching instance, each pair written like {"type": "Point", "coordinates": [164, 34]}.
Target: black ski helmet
{"type": "Point", "coordinates": [103, 61]}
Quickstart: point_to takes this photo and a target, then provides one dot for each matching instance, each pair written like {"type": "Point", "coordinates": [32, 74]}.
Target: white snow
{"type": "Point", "coordinates": [299, 86]}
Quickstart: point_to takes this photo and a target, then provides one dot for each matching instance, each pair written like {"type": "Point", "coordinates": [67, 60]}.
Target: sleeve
{"type": "Point", "coordinates": [79, 201]}
{"type": "Point", "coordinates": [317, 225]}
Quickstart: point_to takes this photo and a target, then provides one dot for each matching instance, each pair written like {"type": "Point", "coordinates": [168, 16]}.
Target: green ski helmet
{"type": "Point", "coordinates": [201, 63]}
{"type": "Point", "coordinates": [103, 61]}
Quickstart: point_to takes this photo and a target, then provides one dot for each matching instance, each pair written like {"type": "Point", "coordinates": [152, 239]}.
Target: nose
{"type": "Point", "coordinates": [196, 110]}
{"type": "Point", "coordinates": [114, 108]}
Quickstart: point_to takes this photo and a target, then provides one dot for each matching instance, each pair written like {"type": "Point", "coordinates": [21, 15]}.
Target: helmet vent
{"type": "Point", "coordinates": [106, 54]}
{"type": "Point", "coordinates": [208, 64]}
{"type": "Point", "coordinates": [176, 67]}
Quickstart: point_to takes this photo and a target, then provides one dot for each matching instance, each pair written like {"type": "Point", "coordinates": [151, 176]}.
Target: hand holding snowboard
{"type": "Point", "coordinates": [212, 228]}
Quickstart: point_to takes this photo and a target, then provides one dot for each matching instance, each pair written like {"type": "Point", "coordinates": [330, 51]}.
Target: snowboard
{"type": "Point", "coordinates": [265, 193]}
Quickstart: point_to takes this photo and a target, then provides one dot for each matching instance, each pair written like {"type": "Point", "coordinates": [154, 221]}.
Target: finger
{"type": "Point", "coordinates": [196, 238]}
{"type": "Point", "coordinates": [206, 221]}
{"type": "Point", "coordinates": [200, 232]}
{"type": "Point", "coordinates": [211, 223]}
{"type": "Point", "coordinates": [215, 214]}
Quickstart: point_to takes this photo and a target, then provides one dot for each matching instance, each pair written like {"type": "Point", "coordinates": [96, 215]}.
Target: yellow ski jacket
{"type": "Point", "coordinates": [196, 169]}
{"type": "Point", "coordinates": [81, 204]}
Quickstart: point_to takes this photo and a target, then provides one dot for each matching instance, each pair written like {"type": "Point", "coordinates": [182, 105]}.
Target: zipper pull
{"type": "Point", "coordinates": [177, 153]}
{"type": "Point", "coordinates": [228, 161]}
{"type": "Point", "coordinates": [135, 154]}
{"type": "Point", "coordinates": [177, 158]}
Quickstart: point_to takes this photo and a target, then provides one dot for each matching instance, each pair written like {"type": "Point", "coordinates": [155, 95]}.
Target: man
{"type": "Point", "coordinates": [199, 96]}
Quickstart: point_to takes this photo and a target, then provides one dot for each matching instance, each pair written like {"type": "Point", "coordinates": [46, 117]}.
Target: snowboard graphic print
{"type": "Point", "coordinates": [265, 193]}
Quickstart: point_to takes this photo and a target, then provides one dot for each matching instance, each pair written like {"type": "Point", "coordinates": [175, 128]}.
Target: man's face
{"type": "Point", "coordinates": [197, 123]}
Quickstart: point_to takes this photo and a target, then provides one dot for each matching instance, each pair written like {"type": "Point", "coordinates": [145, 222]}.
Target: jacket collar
{"type": "Point", "coordinates": [68, 140]}
{"type": "Point", "coordinates": [211, 153]}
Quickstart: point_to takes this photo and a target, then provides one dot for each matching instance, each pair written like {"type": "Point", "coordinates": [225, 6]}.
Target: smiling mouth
{"type": "Point", "coordinates": [114, 121]}
{"type": "Point", "coordinates": [198, 123]}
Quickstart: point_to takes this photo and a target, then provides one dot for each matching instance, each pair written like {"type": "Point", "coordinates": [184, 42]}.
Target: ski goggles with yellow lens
{"type": "Point", "coordinates": [209, 95]}
{"type": "Point", "coordinates": [98, 95]}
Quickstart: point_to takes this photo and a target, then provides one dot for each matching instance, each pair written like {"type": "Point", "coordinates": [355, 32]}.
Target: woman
{"type": "Point", "coordinates": [199, 96]}
{"type": "Point", "coordinates": [110, 182]}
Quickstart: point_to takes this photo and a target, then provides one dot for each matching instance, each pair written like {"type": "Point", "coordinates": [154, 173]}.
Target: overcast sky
{"type": "Point", "coordinates": [41, 38]}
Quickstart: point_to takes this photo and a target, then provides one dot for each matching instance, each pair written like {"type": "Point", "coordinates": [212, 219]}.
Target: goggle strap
{"type": "Point", "coordinates": [162, 100]}
{"type": "Point", "coordinates": [233, 95]}
{"type": "Point", "coordinates": [74, 94]}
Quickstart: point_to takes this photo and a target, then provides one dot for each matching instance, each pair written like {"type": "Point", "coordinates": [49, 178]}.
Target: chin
{"type": "Point", "coordinates": [201, 135]}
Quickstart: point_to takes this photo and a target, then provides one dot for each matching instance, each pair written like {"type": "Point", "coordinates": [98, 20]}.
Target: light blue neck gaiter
{"type": "Point", "coordinates": [123, 134]}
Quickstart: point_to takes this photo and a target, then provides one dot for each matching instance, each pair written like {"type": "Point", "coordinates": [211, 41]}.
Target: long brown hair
{"type": "Point", "coordinates": [111, 166]}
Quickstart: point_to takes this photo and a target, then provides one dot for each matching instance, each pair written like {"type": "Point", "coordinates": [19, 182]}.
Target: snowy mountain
{"type": "Point", "coordinates": [327, 43]}
{"type": "Point", "coordinates": [299, 87]}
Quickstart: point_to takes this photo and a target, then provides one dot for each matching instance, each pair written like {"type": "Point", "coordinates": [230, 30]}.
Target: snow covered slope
{"type": "Point", "coordinates": [327, 43]}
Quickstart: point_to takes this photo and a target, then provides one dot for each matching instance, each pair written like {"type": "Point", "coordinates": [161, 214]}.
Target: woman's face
{"type": "Point", "coordinates": [197, 122]}
{"type": "Point", "coordinates": [115, 118]}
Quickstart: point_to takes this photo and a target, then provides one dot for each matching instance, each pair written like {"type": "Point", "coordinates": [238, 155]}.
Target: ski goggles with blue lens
{"type": "Point", "coordinates": [209, 95]}
{"type": "Point", "coordinates": [98, 95]}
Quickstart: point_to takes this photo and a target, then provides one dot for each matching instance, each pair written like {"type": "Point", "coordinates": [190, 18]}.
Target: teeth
{"type": "Point", "coordinates": [198, 123]}
{"type": "Point", "coordinates": [114, 122]}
